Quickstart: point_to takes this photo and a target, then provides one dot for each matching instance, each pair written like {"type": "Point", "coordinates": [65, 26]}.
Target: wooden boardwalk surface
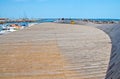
{"type": "Point", "coordinates": [54, 51]}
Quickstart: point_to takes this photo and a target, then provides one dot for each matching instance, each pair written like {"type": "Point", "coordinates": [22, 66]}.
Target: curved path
{"type": "Point", "coordinates": [113, 30]}
{"type": "Point", "coordinates": [54, 51]}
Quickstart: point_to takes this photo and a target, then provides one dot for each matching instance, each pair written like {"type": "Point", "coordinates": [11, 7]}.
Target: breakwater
{"type": "Point", "coordinates": [113, 30]}
{"type": "Point", "coordinates": [55, 51]}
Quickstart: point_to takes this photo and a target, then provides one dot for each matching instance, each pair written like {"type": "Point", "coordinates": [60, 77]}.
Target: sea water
{"type": "Point", "coordinates": [26, 24]}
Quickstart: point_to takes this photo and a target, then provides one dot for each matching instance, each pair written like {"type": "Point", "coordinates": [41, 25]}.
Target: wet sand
{"type": "Point", "coordinates": [54, 51]}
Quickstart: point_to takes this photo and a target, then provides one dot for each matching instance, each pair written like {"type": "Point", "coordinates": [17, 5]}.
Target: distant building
{"type": "Point", "coordinates": [3, 20]}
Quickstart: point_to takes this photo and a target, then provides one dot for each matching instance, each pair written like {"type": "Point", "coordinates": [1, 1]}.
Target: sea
{"type": "Point", "coordinates": [52, 20]}
{"type": "Point", "coordinates": [26, 24]}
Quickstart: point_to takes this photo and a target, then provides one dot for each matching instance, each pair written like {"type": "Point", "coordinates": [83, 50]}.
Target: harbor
{"type": "Point", "coordinates": [59, 39]}
{"type": "Point", "coordinates": [10, 25]}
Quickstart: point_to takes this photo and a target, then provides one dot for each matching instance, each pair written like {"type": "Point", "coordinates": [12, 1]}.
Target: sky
{"type": "Point", "coordinates": [60, 9]}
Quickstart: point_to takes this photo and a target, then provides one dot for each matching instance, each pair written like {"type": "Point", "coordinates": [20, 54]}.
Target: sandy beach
{"type": "Point", "coordinates": [55, 51]}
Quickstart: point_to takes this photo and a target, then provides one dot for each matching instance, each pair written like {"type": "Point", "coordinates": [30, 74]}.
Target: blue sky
{"type": "Point", "coordinates": [60, 8]}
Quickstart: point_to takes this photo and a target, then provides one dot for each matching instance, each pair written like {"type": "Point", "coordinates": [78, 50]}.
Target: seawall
{"type": "Point", "coordinates": [113, 30]}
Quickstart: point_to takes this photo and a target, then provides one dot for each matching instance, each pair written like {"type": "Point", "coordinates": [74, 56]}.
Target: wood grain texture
{"type": "Point", "coordinates": [54, 51]}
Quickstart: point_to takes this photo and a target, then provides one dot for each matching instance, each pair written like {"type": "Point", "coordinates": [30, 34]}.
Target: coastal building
{"type": "Point", "coordinates": [3, 20]}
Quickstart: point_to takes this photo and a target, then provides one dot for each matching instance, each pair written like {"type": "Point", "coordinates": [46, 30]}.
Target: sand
{"type": "Point", "coordinates": [54, 51]}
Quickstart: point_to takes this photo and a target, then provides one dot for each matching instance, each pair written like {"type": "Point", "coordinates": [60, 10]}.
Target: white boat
{"type": "Point", "coordinates": [2, 32]}
{"type": "Point", "coordinates": [11, 29]}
